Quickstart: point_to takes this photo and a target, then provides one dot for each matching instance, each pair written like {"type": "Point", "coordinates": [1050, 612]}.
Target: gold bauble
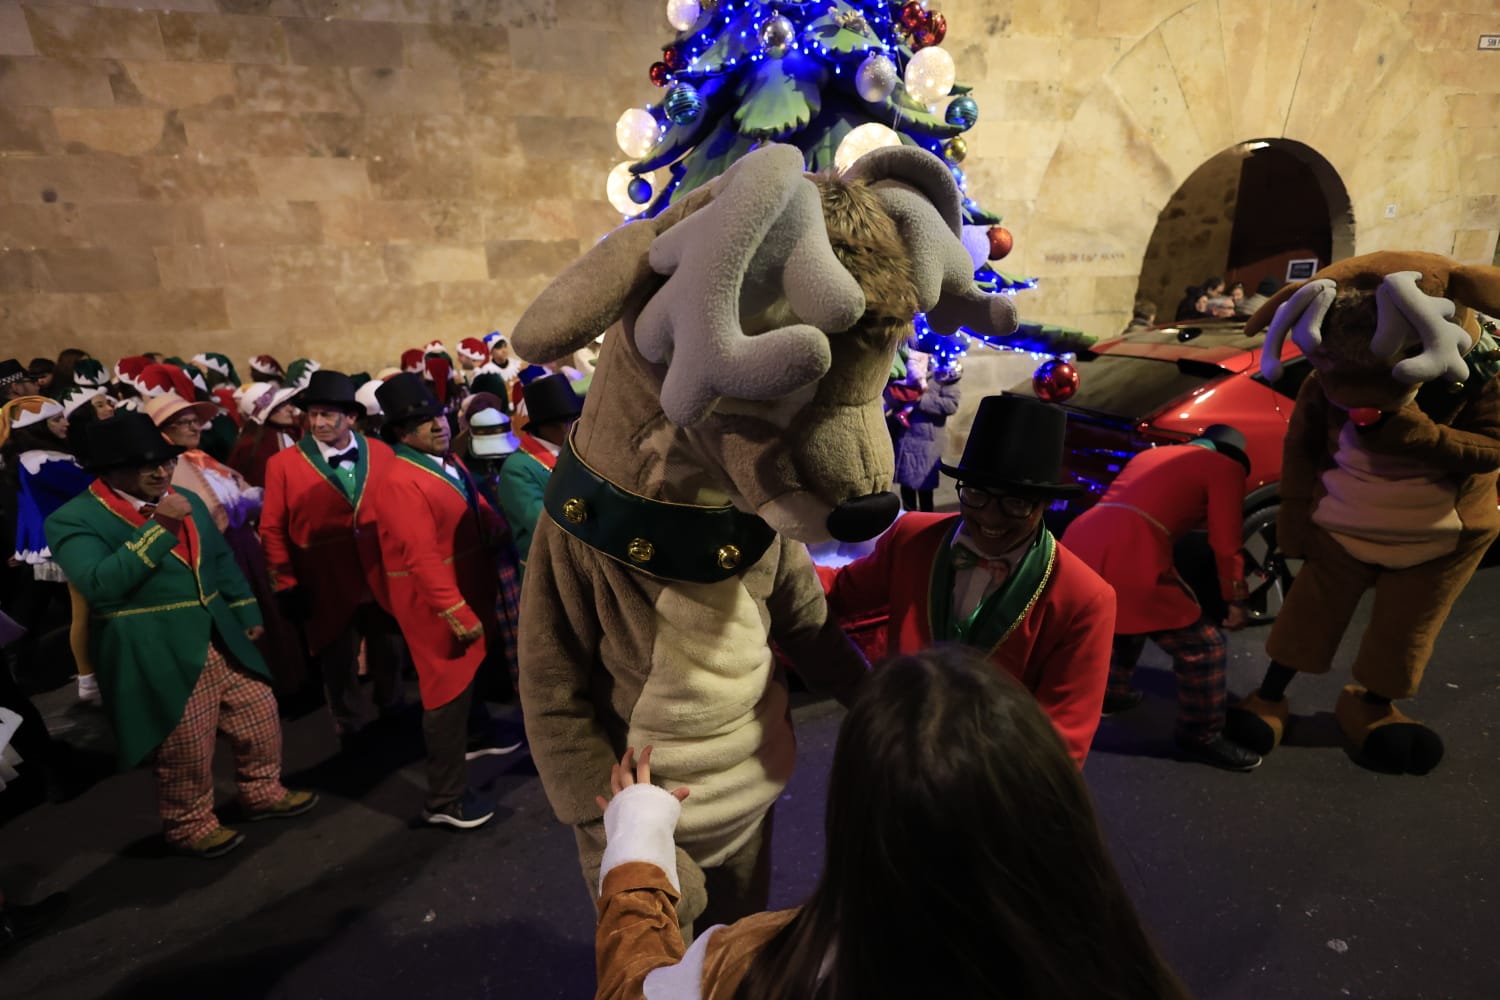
{"type": "Point", "coordinates": [955, 149]}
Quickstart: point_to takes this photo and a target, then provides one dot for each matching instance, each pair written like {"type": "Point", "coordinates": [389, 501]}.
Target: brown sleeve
{"type": "Point", "coordinates": [1302, 457]}
{"type": "Point", "coordinates": [637, 930]}
{"type": "Point", "coordinates": [1469, 446]}
{"type": "Point", "coordinates": [800, 624]}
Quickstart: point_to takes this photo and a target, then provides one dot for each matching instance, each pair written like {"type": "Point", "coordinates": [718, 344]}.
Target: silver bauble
{"type": "Point", "coordinates": [777, 34]}
{"type": "Point", "coordinates": [876, 78]}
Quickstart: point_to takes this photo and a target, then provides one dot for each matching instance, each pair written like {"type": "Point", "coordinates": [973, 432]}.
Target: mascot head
{"type": "Point", "coordinates": [1378, 327]}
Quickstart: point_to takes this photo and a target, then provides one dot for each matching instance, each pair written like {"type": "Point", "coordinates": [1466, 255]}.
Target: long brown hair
{"type": "Point", "coordinates": [963, 857]}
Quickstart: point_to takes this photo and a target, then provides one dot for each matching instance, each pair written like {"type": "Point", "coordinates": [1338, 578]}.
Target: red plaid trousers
{"type": "Point", "coordinates": [244, 710]}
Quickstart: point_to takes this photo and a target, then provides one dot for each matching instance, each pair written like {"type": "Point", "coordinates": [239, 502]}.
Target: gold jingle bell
{"type": "Point", "coordinates": [1455, 387]}
{"type": "Point", "coordinates": [640, 551]}
{"type": "Point", "coordinates": [575, 510]}
{"type": "Point", "coordinates": [729, 556]}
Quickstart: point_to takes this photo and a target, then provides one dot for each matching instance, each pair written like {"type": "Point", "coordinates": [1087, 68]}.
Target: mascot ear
{"type": "Point", "coordinates": [597, 288]}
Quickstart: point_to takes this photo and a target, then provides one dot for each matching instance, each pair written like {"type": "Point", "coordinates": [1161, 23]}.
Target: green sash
{"type": "Point", "coordinates": [998, 614]}
{"type": "Point", "coordinates": [430, 464]}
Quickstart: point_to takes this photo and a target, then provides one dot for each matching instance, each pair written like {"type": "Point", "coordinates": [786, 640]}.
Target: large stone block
{"type": "Point", "coordinates": [374, 221]}
{"type": "Point", "coordinates": [343, 43]}
{"type": "Point", "coordinates": [295, 88]}
{"type": "Point", "coordinates": [1055, 19]}
{"type": "Point", "coordinates": [410, 307]}
{"type": "Point", "coordinates": [302, 266]}
{"type": "Point", "coordinates": [584, 53]}
{"type": "Point", "coordinates": [141, 316]}
{"type": "Point", "coordinates": [26, 227]}
{"type": "Point", "coordinates": [232, 134]}
{"type": "Point", "coordinates": [182, 178]}
{"type": "Point", "coordinates": [443, 46]}
{"type": "Point", "coordinates": [94, 33]}
{"type": "Point", "coordinates": [310, 308]}
{"type": "Point", "coordinates": [261, 221]}
{"type": "Point", "coordinates": [532, 14]}
{"type": "Point", "coordinates": [414, 264]}
{"type": "Point", "coordinates": [94, 269]}
{"type": "Point", "coordinates": [27, 130]}
{"type": "Point", "coordinates": [36, 82]}
{"type": "Point", "coordinates": [418, 176]}
{"type": "Point", "coordinates": [1475, 246]}
{"type": "Point", "coordinates": [223, 38]}
{"type": "Point", "coordinates": [181, 84]}
{"type": "Point", "coordinates": [49, 179]}
{"type": "Point", "coordinates": [401, 91]}
{"type": "Point", "coordinates": [1266, 38]}
{"type": "Point", "coordinates": [131, 224]}
{"type": "Point", "coordinates": [545, 259]}
{"type": "Point", "coordinates": [128, 131]}
{"type": "Point", "coordinates": [311, 179]}
{"type": "Point", "coordinates": [190, 266]}
{"type": "Point", "coordinates": [15, 34]}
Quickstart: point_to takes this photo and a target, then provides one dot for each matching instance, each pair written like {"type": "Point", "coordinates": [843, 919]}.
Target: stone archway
{"type": "Point", "coordinates": [1340, 77]}
{"type": "Point", "coordinates": [1244, 214]}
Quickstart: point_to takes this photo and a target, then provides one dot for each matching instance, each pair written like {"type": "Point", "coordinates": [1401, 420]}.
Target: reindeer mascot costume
{"type": "Point", "coordinates": [734, 416]}
{"type": "Point", "coordinates": [1387, 481]}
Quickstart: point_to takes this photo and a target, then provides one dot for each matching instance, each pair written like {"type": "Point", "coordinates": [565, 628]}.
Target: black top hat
{"type": "Point", "coordinates": [127, 439]}
{"type": "Point", "coordinates": [1226, 441]}
{"type": "Point", "coordinates": [12, 370]}
{"type": "Point", "coordinates": [1016, 443]}
{"type": "Point", "coordinates": [551, 400]}
{"type": "Point", "coordinates": [330, 388]}
{"type": "Point", "coordinates": [406, 397]}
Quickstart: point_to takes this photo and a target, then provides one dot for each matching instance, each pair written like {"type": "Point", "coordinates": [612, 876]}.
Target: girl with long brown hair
{"type": "Point", "coordinates": [963, 860]}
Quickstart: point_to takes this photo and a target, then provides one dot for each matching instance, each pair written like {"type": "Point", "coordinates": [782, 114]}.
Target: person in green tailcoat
{"type": "Point", "coordinates": [551, 408]}
{"type": "Point", "coordinates": [172, 636]}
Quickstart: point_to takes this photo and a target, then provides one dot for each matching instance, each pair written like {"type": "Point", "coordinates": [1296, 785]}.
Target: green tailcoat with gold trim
{"type": "Point", "coordinates": [155, 601]}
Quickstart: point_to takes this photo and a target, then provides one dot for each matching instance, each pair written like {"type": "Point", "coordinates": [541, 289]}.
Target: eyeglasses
{"type": "Point", "coordinates": [977, 498]}
{"type": "Point", "coordinates": [191, 420]}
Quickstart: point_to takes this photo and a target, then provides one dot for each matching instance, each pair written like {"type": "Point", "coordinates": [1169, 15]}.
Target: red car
{"type": "Point", "coordinates": [1164, 385]}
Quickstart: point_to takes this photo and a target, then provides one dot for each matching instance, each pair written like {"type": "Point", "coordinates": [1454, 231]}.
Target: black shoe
{"type": "Point", "coordinates": [464, 814]}
{"type": "Point", "coordinates": [1220, 751]}
{"type": "Point", "coordinates": [1116, 703]}
{"type": "Point", "coordinates": [17, 923]}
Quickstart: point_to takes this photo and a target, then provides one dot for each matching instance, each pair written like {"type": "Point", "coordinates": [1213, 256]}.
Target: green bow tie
{"type": "Point", "coordinates": [966, 558]}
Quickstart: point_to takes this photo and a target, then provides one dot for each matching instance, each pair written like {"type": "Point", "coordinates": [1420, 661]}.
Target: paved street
{"type": "Point", "coordinates": [1309, 878]}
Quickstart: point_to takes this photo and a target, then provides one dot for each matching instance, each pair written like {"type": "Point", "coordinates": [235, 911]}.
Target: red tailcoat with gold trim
{"type": "Point", "coordinates": [1059, 648]}
{"type": "Point", "coordinates": [320, 540]}
{"type": "Point", "coordinates": [440, 568]}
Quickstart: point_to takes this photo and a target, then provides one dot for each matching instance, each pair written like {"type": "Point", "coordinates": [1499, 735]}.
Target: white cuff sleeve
{"type": "Point", "coordinates": [638, 826]}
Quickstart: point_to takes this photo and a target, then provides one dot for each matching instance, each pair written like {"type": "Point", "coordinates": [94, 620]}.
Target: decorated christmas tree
{"type": "Point", "coordinates": [836, 79]}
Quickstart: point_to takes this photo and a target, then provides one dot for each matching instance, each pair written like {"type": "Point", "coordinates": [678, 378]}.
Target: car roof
{"type": "Point", "coordinates": [1219, 342]}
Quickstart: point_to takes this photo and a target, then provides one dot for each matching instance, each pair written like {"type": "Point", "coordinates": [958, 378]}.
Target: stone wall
{"type": "Point", "coordinates": [1191, 237]}
{"type": "Point", "coordinates": [348, 178]}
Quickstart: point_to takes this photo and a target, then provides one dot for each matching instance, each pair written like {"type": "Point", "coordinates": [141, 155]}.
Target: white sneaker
{"type": "Point", "coordinates": [88, 689]}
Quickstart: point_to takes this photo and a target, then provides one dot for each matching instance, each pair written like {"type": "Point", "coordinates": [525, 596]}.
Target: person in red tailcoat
{"type": "Point", "coordinates": [1128, 537]}
{"type": "Point", "coordinates": [322, 549]}
{"type": "Point", "coordinates": [436, 536]}
{"type": "Point", "coordinates": [992, 576]}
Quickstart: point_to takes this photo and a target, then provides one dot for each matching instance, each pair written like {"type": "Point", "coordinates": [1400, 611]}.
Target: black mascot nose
{"type": "Point", "coordinates": [863, 517]}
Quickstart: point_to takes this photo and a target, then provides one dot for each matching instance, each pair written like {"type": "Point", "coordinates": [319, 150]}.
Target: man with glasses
{"type": "Point", "coordinates": [992, 576]}
{"type": "Point", "coordinates": [173, 636]}
{"type": "Point", "coordinates": [437, 533]}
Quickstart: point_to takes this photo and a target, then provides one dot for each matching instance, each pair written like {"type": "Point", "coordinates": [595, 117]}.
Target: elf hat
{"type": "Point", "coordinates": [473, 349]}
{"type": "Point", "coordinates": [365, 396]}
{"type": "Point", "coordinates": [411, 361]}
{"type": "Point", "coordinates": [262, 398]}
{"type": "Point", "coordinates": [25, 411]}
{"type": "Point", "coordinates": [218, 363]}
{"type": "Point", "coordinates": [264, 364]}
{"type": "Point", "coordinates": [161, 378]}
{"type": "Point", "coordinates": [79, 395]}
{"type": "Point", "coordinates": [494, 337]}
{"type": "Point", "coordinates": [88, 372]}
{"type": "Point", "coordinates": [128, 370]}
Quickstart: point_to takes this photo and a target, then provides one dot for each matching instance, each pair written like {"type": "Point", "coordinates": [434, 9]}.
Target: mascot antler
{"type": "Point", "coordinates": [921, 195]}
{"type": "Point", "coordinates": [1403, 310]}
{"type": "Point", "coordinates": [762, 237]}
{"type": "Point", "coordinates": [1302, 316]}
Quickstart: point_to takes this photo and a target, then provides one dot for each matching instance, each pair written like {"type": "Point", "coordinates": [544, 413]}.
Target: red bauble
{"type": "Point", "coordinates": [1365, 416]}
{"type": "Point", "coordinates": [1055, 381]}
{"type": "Point", "coordinates": [913, 15]}
{"type": "Point", "coordinates": [937, 27]}
{"type": "Point", "coordinates": [661, 74]}
{"type": "Point", "coordinates": [1001, 242]}
{"type": "Point", "coordinates": [921, 38]}
{"type": "Point", "coordinates": [672, 58]}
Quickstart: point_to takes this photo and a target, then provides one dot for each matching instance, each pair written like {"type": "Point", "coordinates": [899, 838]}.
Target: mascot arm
{"type": "Point", "coordinates": [811, 638]}
{"type": "Point", "coordinates": [559, 652]}
{"type": "Point", "coordinates": [1302, 458]}
{"type": "Point", "coordinates": [1469, 447]}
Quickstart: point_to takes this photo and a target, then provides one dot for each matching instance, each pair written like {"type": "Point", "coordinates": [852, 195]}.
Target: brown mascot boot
{"type": "Point", "coordinates": [1257, 723]}
{"type": "Point", "coordinates": [1387, 739]}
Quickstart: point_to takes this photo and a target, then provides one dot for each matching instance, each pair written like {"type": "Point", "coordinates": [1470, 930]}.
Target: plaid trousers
{"type": "Point", "coordinates": [243, 708]}
{"type": "Point", "coordinates": [1198, 653]}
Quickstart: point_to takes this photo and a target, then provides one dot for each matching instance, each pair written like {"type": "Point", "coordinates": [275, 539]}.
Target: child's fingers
{"type": "Point", "coordinates": [602, 801]}
{"type": "Point", "coordinates": [643, 767]}
{"type": "Point", "coordinates": [680, 793]}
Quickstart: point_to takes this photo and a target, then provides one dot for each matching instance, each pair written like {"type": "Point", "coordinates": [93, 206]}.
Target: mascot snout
{"type": "Point", "coordinates": [863, 518]}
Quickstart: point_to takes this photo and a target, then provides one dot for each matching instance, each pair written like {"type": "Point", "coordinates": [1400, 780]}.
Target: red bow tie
{"type": "Point", "coordinates": [966, 558]}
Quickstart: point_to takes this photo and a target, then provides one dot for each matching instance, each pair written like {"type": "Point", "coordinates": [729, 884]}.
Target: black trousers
{"type": "Point", "coordinates": [445, 730]}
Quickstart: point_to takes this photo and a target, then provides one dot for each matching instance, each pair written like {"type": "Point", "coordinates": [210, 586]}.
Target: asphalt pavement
{"type": "Point", "coordinates": [1311, 877]}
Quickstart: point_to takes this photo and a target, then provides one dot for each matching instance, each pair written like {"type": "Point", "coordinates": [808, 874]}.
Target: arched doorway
{"type": "Point", "coordinates": [1246, 214]}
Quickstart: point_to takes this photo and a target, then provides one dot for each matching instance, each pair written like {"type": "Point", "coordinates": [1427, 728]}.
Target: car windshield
{"type": "Point", "coordinates": [1118, 385]}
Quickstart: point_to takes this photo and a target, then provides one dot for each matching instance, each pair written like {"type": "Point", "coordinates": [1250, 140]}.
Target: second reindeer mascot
{"type": "Point", "coordinates": [734, 416]}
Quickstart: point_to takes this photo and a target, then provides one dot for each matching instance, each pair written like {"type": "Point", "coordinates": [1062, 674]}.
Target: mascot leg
{"type": "Point", "coordinates": [1304, 638]}
{"type": "Point", "coordinates": [741, 885]}
{"type": "Point", "coordinates": [1411, 606]}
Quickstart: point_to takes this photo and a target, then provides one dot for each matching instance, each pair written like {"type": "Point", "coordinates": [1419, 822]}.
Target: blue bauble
{"type": "Point", "coordinates": [683, 104]}
{"type": "Point", "coordinates": [963, 112]}
{"type": "Point", "coordinates": [639, 190]}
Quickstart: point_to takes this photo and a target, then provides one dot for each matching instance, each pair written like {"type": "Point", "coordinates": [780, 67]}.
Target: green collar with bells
{"type": "Point", "coordinates": [670, 540]}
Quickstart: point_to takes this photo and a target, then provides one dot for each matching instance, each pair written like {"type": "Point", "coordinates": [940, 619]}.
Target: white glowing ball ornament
{"type": "Point", "coordinates": [930, 74]}
{"type": "Point", "coordinates": [617, 189]}
{"type": "Point", "coordinates": [683, 14]}
{"type": "Point", "coordinates": [862, 140]}
{"type": "Point", "coordinates": [637, 132]}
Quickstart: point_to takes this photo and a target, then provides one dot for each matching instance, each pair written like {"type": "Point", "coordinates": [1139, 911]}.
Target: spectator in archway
{"type": "Point", "coordinates": [1263, 291]}
{"type": "Point", "coordinates": [1143, 316]}
{"type": "Point", "coordinates": [1194, 304]}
